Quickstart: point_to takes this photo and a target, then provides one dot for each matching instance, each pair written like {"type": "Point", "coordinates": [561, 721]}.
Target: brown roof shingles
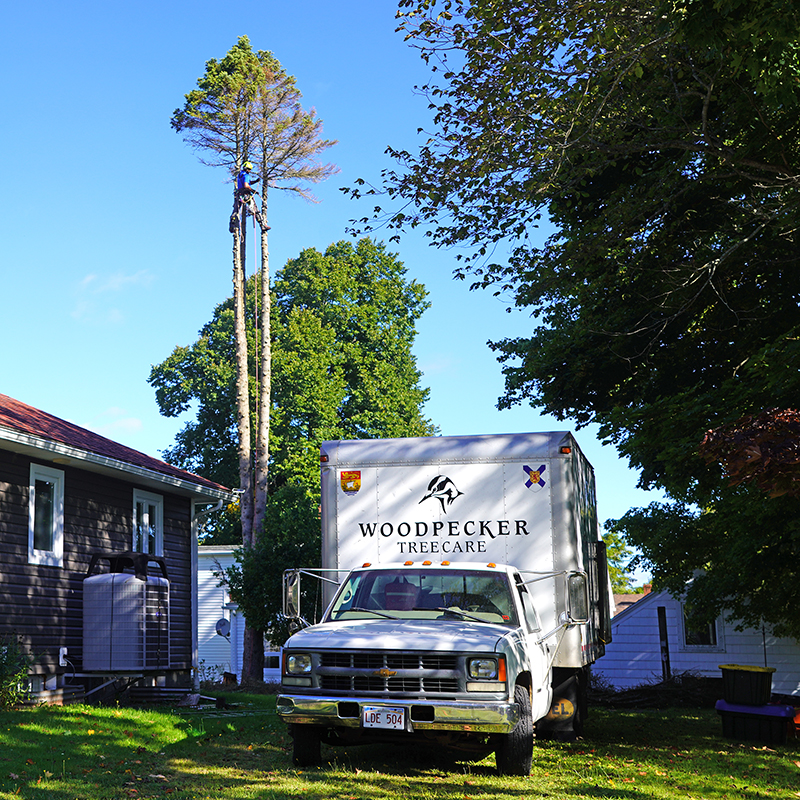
{"type": "Point", "coordinates": [27, 419]}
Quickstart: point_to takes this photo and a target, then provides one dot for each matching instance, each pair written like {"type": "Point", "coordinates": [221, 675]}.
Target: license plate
{"type": "Point", "coordinates": [392, 719]}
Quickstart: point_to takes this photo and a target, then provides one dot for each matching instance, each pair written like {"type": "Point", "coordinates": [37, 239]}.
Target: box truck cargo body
{"type": "Point", "coordinates": [476, 599]}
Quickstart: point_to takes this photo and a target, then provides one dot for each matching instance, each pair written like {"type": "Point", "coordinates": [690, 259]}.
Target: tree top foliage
{"type": "Point", "coordinates": [246, 107]}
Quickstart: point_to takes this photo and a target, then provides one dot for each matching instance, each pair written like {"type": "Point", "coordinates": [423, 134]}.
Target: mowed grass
{"type": "Point", "coordinates": [91, 753]}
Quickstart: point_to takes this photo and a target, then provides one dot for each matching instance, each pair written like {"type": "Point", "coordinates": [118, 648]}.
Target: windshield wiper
{"type": "Point", "coordinates": [457, 612]}
{"type": "Point", "coordinates": [371, 611]}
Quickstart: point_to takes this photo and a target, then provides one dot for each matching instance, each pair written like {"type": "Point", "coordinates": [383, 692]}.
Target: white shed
{"type": "Point", "coordinates": [217, 654]}
{"type": "Point", "coordinates": [653, 632]}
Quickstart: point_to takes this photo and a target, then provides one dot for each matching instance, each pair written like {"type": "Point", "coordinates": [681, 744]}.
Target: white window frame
{"type": "Point", "coordinates": [718, 647]}
{"type": "Point", "coordinates": [148, 499]}
{"type": "Point", "coordinates": [54, 557]}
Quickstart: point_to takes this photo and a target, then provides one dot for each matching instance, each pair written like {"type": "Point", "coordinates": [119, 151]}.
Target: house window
{"type": "Point", "coordinates": [46, 516]}
{"type": "Point", "coordinates": [699, 635]}
{"type": "Point", "coordinates": [148, 523]}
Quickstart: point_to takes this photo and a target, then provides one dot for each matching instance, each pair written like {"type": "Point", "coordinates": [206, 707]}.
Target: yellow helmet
{"type": "Point", "coordinates": [248, 165]}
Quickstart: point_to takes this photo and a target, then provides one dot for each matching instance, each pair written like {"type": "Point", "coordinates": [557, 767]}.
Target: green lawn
{"type": "Point", "coordinates": [90, 753]}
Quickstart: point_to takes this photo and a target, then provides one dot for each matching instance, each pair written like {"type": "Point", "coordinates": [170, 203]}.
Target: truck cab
{"type": "Point", "coordinates": [449, 653]}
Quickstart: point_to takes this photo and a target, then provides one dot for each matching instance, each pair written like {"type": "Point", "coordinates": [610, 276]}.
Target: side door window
{"type": "Point", "coordinates": [532, 622]}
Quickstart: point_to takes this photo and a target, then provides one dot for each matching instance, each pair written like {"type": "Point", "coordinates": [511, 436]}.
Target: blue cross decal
{"type": "Point", "coordinates": [534, 476]}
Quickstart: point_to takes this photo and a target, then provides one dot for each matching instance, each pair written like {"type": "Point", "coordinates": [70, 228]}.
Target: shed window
{"type": "Point", "coordinates": [46, 516]}
{"type": "Point", "coordinates": [148, 523]}
{"type": "Point", "coordinates": [699, 635]}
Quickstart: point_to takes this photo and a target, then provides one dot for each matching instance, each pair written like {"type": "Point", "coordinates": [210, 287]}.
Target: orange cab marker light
{"type": "Point", "coordinates": [565, 451]}
{"type": "Point", "coordinates": [491, 564]}
{"type": "Point", "coordinates": [426, 563]}
{"type": "Point", "coordinates": [366, 564]}
{"type": "Point", "coordinates": [445, 563]}
{"type": "Point", "coordinates": [407, 563]}
{"type": "Point", "coordinates": [501, 670]}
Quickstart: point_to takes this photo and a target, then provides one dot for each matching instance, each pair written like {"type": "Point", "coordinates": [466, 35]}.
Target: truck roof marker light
{"type": "Point", "coordinates": [407, 563]}
{"type": "Point", "coordinates": [565, 451]}
{"type": "Point", "coordinates": [426, 563]}
{"type": "Point", "coordinates": [366, 564]}
{"type": "Point", "coordinates": [491, 564]}
{"type": "Point", "coordinates": [445, 563]}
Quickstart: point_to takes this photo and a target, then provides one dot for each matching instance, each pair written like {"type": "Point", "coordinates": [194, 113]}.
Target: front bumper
{"type": "Point", "coordinates": [478, 716]}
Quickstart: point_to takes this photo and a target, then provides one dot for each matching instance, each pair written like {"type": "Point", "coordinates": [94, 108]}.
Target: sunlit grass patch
{"type": "Point", "coordinates": [244, 752]}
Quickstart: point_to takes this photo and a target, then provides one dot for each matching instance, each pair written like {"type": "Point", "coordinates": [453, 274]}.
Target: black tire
{"type": "Point", "coordinates": [514, 754]}
{"type": "Point", "coordinates": [306, 749]}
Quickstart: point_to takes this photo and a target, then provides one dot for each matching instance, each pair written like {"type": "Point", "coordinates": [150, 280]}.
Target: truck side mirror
{"type": "Point", "coordinates": [291, 594]}
{"type": "Point", "coordinates": [577, 598]}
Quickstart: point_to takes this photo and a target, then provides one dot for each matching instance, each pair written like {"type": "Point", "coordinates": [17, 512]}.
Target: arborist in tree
{"type": "Point", "coordinates": [243, 197]}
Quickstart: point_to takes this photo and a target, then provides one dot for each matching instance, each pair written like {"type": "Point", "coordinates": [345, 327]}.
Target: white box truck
{"type": "Point", "coordinates": [468, 595]}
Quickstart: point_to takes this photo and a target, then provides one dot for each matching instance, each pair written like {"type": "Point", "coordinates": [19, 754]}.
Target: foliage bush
{"type": "Point", "coordinates": [14, 663]}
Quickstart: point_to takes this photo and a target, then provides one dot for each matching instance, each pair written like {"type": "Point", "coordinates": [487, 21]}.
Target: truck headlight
{"type": "Point", "coordinates": [483, 669]}
{"type": "Point", "coordinates": [298, 664]}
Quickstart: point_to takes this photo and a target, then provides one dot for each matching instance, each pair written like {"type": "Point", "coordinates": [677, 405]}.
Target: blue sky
{"type": "Point", "coordinates": [114, 240]}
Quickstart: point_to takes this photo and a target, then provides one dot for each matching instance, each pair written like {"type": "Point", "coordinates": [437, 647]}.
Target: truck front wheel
{"type": "Point", "coordinates": [306, 748]}
{"type": "Point", "coordinates": [514, 754]}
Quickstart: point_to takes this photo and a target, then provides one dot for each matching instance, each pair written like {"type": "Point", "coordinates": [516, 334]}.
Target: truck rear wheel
{"type": "Point", "coordinates": [306, 748]}
{"type": "Point", "coordinates": [514, 754]}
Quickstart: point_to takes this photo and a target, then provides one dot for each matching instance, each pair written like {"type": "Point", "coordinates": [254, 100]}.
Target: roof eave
{"type": "Point", "coordinates": [60, 453]}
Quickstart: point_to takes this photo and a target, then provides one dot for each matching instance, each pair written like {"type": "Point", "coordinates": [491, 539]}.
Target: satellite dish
{"type": "Point", "coordinates": [223, 627]}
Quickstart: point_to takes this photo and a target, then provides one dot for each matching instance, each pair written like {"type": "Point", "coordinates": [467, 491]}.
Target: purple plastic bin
{"type": "Point", "coordinates": [768, 724]}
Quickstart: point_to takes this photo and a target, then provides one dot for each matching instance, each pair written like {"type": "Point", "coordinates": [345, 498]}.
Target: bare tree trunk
{"type": "Point", "coordinates": [253, 660]}
{"type": "Point", "coordinates": [253, 640]}
{"type": "Point", "coordinates": [242, 389]}
{"type": "Point", "coordinates": [265, 389]}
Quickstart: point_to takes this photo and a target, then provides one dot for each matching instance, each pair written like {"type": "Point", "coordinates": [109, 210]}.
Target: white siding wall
{"type": "Point", "coordinates": [213, 603]}
{"type": "Point", "coordinates": [214, 651]}
{"type": "Point", "coordinates": [634, 655]}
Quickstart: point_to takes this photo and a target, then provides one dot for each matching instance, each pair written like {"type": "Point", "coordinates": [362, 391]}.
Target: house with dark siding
{"type": "Point", "coordinates": [71, 499]}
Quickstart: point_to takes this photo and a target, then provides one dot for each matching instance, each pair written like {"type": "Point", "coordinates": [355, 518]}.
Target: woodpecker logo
{"type": "Point", "coordinates": [444, 490]}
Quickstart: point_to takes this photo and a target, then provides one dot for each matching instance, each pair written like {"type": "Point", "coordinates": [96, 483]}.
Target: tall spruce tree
{"type": "Point", "coordinates": [246, 108]}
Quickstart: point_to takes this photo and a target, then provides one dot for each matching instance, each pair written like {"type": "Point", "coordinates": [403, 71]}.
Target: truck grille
{"type": "Point", "coordinates": [415, 673]}
{"type": "Point", "coordinates": [389, 660]}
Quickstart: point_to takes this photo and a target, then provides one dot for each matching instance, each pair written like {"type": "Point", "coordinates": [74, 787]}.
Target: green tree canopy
{"type": "Point", "coordinates": [619, 557]}
{"type": "Point", "coordinates": [343, 326]}
{"type": "Point", "coordinates": [661, 141]}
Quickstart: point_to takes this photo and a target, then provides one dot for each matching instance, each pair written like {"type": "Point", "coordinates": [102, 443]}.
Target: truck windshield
{"type": "Point", "coordinates": [470, 595]}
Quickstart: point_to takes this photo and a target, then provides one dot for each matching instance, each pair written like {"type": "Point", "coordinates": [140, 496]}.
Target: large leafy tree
{"type": "Point", "coordinates": [661, 141]}
{"type": "Point", "coordinates": [342, 329]}
{"type": "Point", "coordinates": [246, 107]}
